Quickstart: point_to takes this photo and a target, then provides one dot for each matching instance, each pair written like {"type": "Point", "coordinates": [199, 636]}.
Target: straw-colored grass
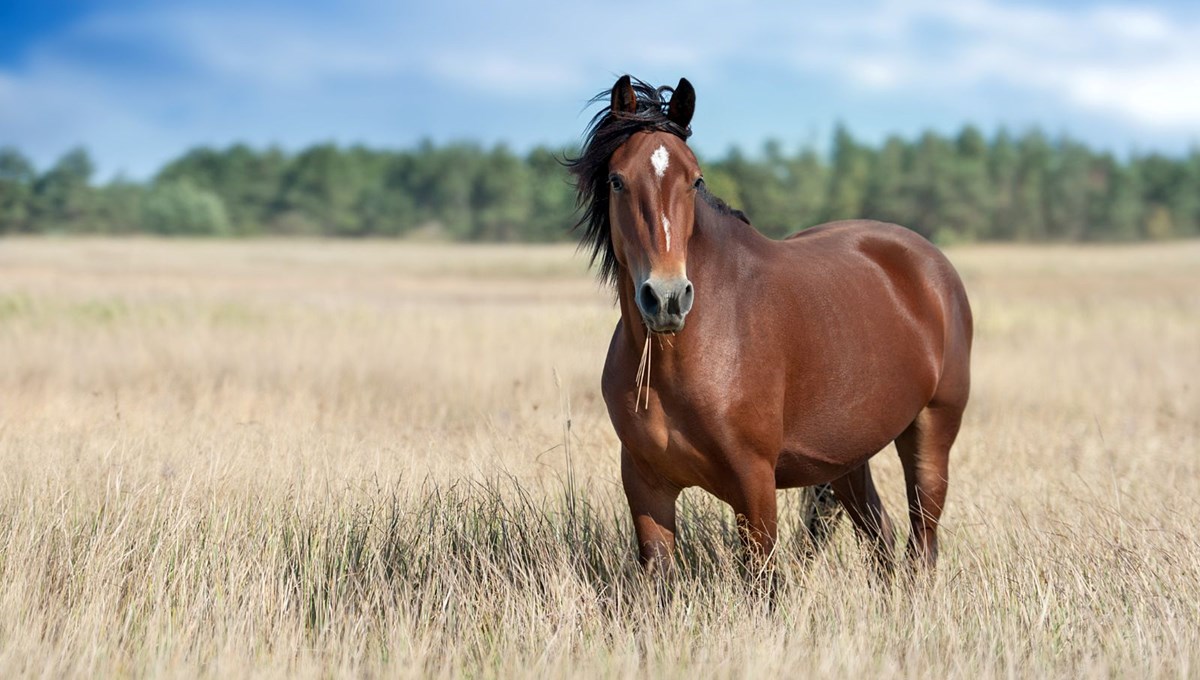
{"type": "Point", "coordinates": [302, 459]}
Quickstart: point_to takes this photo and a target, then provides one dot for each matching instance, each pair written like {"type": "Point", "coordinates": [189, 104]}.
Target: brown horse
{"type": "Point", "coordinates": [743, 365]}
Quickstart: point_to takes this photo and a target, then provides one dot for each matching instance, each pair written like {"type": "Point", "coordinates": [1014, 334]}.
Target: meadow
{"type": "Point", "coordinates": [290, 458]}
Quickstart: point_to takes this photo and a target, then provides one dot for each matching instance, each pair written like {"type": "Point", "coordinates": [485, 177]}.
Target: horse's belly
{"type": "Point", "coordinates": [827, 442]}
{"type": "Point", "coordinates": [800, 466]}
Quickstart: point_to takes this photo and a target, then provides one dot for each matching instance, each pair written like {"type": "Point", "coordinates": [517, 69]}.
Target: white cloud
{"type": "Point", "coordinates": [502, 74]}
{"type": "Point", "coordinates": [1133, 62]}
{"type": "Point", "coordinates": [275, 49]}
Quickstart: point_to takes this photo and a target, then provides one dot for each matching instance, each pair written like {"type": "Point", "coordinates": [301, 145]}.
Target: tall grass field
{"type": "Point", "coordinates": [376, 459]}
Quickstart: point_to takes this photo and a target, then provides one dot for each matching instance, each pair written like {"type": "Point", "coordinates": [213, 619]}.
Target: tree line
{"type": "Point", "coordinates": [968, 187]}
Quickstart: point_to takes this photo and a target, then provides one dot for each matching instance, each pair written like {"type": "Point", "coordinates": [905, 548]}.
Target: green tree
{"type": "Point", "coordinates": [1069, 192]}
{"type": "Point", "coordinates": [959, 188]}
{"type": "Point", "coordinates": [181, 209]}
{"type": "Point", "coordinates": [443, 181]}
{"type": "Point", "coordinates": [63, 195]}
{"type": "Point", "coordinates": [1029, 201]}
{"type": "Point", "coordinates": [1123, 207]}
{"type": "Point", "coordinates": [969, 200]}
{"type": "Point", "coordinates": [501, 197]}
{"type": "Point", "coordinates": [118, 206]}
{"type": "Point", "coordinates": [762, 190]}
{"type": "Point", "coordinates": [851, 166]}
{"type": "Point", "coordinates": [1170, 185]}
{"type": "Point", "coordinates": [552, 197]}
{"type": "Point", "coordinates": [807, 180]}
{"type": "Point", "coordinates": [931, 186]}
{"type": "Point", "coordinates": [1187, 203]}
{"type": "Point", "coordinates": [888, 196]}
{"type": "Point", "coordinates": [247, 181]}
{"type": "Point", "coordinates": [1159, 224]}
{"type": "Point", "coordinates": [1003, 162]}
{"type": "Point", "coordinates": [386, 206]}
{"type": "Point", "coordinates": [17, 176]}
{"type": "Point", "coordinates": [324, 186]}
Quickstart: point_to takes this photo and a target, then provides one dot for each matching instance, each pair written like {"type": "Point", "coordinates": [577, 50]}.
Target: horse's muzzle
{"type": "Point", "coordinates": [664, 303]}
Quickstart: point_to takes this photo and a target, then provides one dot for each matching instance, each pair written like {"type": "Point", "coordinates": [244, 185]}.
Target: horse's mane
{"type": "Point", "coordinates": [606, 132]}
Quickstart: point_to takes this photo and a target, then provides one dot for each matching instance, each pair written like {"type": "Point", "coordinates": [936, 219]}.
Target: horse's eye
{"type": "Point", "coordinates": [698, 184]}
{"type": "Point", "coordinates": [616, 183]}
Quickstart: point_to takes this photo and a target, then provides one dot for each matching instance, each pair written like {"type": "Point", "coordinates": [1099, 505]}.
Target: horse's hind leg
{"type": "Point", "coordinates": [925, 454]}
{"type": "Point", "coordinates": [856, 492]}
{"type": "Point", "coordinates": [821, 517]}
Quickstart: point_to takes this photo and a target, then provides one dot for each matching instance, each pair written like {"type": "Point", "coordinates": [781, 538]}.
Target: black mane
{"type": "Point", "coordinates": [606, 132]}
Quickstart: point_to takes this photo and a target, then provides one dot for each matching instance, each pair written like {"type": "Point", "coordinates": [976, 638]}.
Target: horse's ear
{"type": "Point", "coordinates": [624, 99]}
{"type": "Point", "coordinates": [683, 104]}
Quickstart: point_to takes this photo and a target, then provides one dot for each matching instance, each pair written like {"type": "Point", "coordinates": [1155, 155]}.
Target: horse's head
{"type": "Point", "coordinates": [652, 182]}
{"type": "Point", "coordinates": [638, 180]}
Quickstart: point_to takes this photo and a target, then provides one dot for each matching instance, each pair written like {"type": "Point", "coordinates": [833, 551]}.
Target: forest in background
{"type": "Point", "coordinates": [963, 188]}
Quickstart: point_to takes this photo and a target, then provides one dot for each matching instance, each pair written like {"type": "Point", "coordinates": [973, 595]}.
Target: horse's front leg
{"type": "Point", "coordinates": [652, 503]}
{"type": "Point", "coordinates": [753, 501]}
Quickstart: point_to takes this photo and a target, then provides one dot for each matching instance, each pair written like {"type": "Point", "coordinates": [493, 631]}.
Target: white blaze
{"type": "Point", "coordinates": [660, 159]}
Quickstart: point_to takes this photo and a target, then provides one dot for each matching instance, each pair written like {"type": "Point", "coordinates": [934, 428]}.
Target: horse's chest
{"type": "Point", "coordinates": [659, 439]}
{"type": "Point", "coordinates": [678, 432]}
{"type": "Point", "coordinates": [697, 411]}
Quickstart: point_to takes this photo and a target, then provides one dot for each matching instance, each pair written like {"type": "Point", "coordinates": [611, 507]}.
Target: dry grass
{"type": "Point", "coordinates": [305, 459]}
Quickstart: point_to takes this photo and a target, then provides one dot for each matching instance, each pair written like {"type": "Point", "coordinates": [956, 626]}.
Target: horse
{"type": "Point", "coordinates": [742, 364]}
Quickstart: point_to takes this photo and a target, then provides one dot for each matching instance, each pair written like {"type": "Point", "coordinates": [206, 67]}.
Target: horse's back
{"type": "Point", "coordinates": [888, 244]}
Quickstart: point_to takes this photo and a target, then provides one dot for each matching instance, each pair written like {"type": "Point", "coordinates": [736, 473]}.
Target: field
{"type": "Point", "coordinates": [303, 459]}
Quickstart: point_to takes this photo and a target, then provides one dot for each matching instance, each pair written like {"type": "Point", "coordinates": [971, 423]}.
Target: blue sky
{"type": "Point", "coordinates": [138, 82]}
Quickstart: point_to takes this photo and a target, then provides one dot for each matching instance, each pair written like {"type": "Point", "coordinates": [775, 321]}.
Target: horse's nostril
{"type": "Point", "coordinates": [648, 299]}
{"type": "Point", "coordinates": [673, 305]}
